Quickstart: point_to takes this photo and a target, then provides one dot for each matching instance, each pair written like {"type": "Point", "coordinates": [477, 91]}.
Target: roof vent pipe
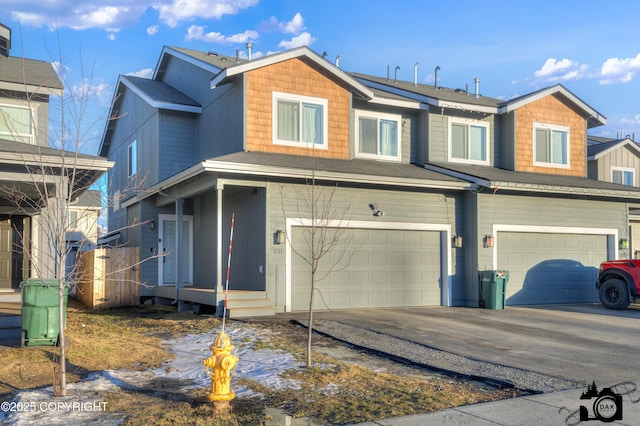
{"type": "Point", "coordinates": [435, 84]}
{"type": "Point", "coordinates": [466, 89]}
{"type": "Point", "coordinates": [477, 82]}
{"type": "Point", "coordinates": [338, 60]}
{"type": "Point", "coordinates": [237, 56]}
{"type": "Point", "coordinates": [249, 46]}
{"type": "Point", "coordinates": [415, 73]}
{"type": "Point", "coordinates": [395, 74]}
{"type": "Point", "coordinates": [388, 72]}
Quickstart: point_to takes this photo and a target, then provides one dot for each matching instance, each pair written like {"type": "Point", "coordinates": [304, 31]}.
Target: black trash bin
{"type": "Point", "coordinates": [493, 285]}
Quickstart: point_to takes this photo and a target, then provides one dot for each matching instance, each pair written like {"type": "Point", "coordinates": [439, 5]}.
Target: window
{"type": "Point", "coordinates": [623, 176]}
{"type": "Point", "coordinates": [468, 142]}
{"type": "Point", "coordinates": [73, 219]}
{"type": "Point", "coordinates": [299, 120]}
{"type": "Point", "coordinates": [550, 145]}
{"type": "Point", "coordinates": [16, 124]}
{"type": "Point", "coordinates": [132, 157]}
{"type": "Point", "coordinates": [377, 135]}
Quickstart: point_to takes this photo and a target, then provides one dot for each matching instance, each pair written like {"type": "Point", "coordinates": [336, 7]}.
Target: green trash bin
{"type": "Point", "coordinates": [40, 311]}
{"type": "Point", "coordinates": [493, 285]}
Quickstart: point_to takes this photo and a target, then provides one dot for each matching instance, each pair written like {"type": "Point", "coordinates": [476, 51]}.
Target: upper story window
{"type": "Point", "coordinates": [550, 145]}
{"type": "Point", "coordinates": [16, 124]}
{"type": "Point", "coordinates": [132, 158]}
{"type": "Point", "coordinates": [299, 120]}
{"type": "Point", "coordinates": [468, 141]}
{"type": "Point", "coordinates": [623, 175]}
{"type": "Point", "coordinates": [377, 135]}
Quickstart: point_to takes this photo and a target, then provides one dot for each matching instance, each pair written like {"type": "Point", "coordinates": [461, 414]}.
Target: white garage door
{"type": "Point", "coordinates": [550, 268]}
{"type": "Point", "coordinates": [390, 268]}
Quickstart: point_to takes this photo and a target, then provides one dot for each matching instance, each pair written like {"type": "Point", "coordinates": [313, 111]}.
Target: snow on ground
{"type": "Point", "coordinates": [186, 371]}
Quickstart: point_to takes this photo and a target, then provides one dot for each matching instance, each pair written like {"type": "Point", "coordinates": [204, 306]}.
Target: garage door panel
{"type": "Point", "coordinates": [390, 268]}
{"type": "Point", "coordinates": [550, 268]}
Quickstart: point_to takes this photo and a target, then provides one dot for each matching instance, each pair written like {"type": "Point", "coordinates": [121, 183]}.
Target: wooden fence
{"type": "Point", "coordinates": [108, 277]}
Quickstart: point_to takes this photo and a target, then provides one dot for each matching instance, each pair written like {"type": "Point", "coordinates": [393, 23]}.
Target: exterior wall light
{"type": "Point", "coordinates": [279, 237]}
{"type": "Point", "coordinates": [488, 241]}
{"type": "Point", "coordinates": [624, 244]}
{"type": "Point", "coordinates": [456, 241]}
{"type": "Point", "coordinates": [152, 224]}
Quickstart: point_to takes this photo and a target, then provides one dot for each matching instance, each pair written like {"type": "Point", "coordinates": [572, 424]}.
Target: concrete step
{"type": "Point", "coordinates": [243, 294]}
{"type": "Point", "coordinates": [251, 312]}
{"type": "Point", "coordinates": [10, 296]}
{"type": "Point", "coordinates": [246, 303]}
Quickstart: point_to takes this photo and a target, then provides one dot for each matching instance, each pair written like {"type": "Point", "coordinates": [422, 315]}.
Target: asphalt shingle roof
{"type": "Point", "coordinates": [160, 91]}
{"type": "Point", "coordinates": [28, 71]}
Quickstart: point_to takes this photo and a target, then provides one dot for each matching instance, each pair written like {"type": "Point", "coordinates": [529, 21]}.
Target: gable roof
{"type": "Point", "coordinates": [235, 69]}
{"type": "Point", "coordinates": [596, 151]}
{"type": "Point", "coordinates": [594, 118]}
{"type": "Point", "coordinates": [502, 179]}
{"type": "Point", "coordinates": [33, 76]}
{"type": "Point", "coordinates": [209, 61]}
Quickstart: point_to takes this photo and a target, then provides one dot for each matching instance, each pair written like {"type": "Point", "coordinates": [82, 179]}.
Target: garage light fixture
{"type": "Point", "coordinates": [624, 244]}
{"type": "Point", "coordinates": [456, 241]}
{"type": "Point", "coordinates": [488, 241]}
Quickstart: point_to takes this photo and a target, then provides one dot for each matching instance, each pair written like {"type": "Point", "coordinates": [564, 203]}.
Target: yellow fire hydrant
{"type": "Point", "coordinates": [219, 366]}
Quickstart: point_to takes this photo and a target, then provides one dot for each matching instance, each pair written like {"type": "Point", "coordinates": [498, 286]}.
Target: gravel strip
{"type": "Point", "coordinates": [446, 362]}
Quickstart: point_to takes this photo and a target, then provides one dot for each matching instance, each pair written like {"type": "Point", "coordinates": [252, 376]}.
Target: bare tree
{"type": "Point", "coordinates": [325, 231]}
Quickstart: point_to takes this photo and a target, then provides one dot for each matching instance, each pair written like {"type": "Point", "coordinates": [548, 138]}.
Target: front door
{"type": "Point", "coordinates": [167, 243]}
{"type": "Point", "coordinates": [5, 254]}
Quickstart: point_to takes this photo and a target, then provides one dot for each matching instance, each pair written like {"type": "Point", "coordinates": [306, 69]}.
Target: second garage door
{"type": "Point", "coordinates": [390, 268]}
{"type": "Point", "coordinates": [550, 268]}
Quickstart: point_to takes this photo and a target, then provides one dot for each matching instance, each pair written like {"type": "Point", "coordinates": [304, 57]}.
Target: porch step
{"type": "Point", "coordinates": [245, 303]}
{"type": "Point", "coordinates": [10, 296]}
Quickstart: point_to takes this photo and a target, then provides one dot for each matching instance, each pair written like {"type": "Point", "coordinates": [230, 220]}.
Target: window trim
{"type": "Point", "coordinates": [281, 96]}
{"type": "Point", "coordinates": [623, 170]}
{"type": "Point", "coordinates": [378, 116]}
{"type": "Point", "coordinates": [552, 127]}
{"type": "Point", "coordinates": [132, 160]}
{"type": "Point", "coordinates": [468, 123]}
{"type": "Point", "coordinates": [21, 137]}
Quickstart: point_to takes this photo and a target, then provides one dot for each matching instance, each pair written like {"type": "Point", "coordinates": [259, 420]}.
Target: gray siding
{"type": "Point", "coordinates": [621, 157]}
{"type": "Point", "coordinates": [205, 238]}
{"type": "Point", "coordinates": [438, 149]}
{"type": "Point", "coordinates": [409, 131]}
{"type": "Point", "coordinates": [399, 206]}
{"type": "Point", "coordinates": [177, 143]}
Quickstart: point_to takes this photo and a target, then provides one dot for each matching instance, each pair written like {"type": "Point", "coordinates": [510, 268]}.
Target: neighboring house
{"type": "Point", "coordinates": [618, 161]}
{"type": "Point", "coordinates": [26, 160]}
{"type": "Point", "coordinates": [209, 135]}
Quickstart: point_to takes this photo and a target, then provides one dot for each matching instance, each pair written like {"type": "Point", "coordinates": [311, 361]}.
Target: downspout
{"type": "Point", "coordinates": [179, 202]}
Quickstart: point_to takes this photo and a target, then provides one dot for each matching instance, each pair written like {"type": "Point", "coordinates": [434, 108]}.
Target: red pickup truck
{"type": "Point", "coordinates": [618, 283]}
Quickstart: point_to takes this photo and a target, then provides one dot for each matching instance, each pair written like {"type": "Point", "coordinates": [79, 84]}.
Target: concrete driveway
{"type": "Point", "coordinates": [581, 343]}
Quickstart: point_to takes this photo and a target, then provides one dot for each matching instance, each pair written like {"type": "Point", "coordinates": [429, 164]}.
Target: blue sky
{"type": "Point", "coordinates": [513, 47]}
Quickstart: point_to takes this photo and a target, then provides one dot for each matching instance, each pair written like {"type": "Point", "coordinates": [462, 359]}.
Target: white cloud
{"type": "Point", "coordinates": [175, 11]}
{"type": "Point", "coordinates": [555, 70]}
{"type": "Point", "coordinates": [143, 73]}
{"type": "Point", "coordinates": [111, 36]}
{"type": "Point", "coordinates": [304, 39]}
{"type": "Point", "coordinates": [294, 26]}
{"type": "Point", "coordinates": [196, 32]}
{"type": "Point", "coordinates": [619, 70]}
{"type": "Point", "coordinates": [79, 15]}
{"type": "Point", "coordinates": [153, 30]}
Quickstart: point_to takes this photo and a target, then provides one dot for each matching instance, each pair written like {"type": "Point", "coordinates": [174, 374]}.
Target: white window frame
{"type": "Point", "coordinates": [22, 137]}
{"type": "Point", "coordinates": [378, 116]}
{"type": "Point", "coordinates": [468, 123]}
{"type": "Point", "coordinates": [552, 127]}
{"type": "Point", "coordinates": [624, 170]}
{"type": "Point", "coordinates": [132, 160]}
{"type": "Point", "coordinates": [288, 97]}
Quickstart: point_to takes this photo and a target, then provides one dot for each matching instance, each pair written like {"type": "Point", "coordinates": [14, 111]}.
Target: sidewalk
{"type": "Point", "coordinates": [544, 409]}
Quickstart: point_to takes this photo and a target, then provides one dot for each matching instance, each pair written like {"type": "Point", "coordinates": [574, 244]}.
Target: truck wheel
{"type": "Point", "coordinates": [614, 294]}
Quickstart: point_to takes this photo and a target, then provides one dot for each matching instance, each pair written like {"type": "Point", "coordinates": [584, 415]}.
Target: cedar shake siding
{"type": "Point", "coordinates": [550, 110]}
{"type": "Point", "coordinates": [295, 77]}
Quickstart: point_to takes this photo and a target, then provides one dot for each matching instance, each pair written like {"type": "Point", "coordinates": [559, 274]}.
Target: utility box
{"type": "Point", "coordinates": [493, 285]}
{"type": "Point", "coordinates": [40, 311]}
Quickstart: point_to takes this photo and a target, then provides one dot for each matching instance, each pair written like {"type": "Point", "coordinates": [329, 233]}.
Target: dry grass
{"type": "Point", "coordinates": [335, 393]}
